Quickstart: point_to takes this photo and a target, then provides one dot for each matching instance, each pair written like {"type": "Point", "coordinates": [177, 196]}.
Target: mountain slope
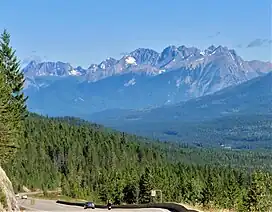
{"type": "Point", "coordinates": [254, 96]}
{"type": "Point", "coordinates": [261, 67]}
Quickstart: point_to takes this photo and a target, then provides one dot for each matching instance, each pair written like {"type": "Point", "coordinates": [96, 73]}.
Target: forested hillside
{"type": "Point", "coordinates": [94, 163]}
{"type": "Point", "coordinates": [236, 132]}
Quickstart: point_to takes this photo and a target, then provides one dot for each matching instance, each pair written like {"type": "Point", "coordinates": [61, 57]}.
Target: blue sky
{"type": "Point", "coordinates": [87, 31]}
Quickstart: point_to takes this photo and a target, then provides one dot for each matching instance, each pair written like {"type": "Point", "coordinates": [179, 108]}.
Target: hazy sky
{"type": "Point", "coordinates": [87, 31]}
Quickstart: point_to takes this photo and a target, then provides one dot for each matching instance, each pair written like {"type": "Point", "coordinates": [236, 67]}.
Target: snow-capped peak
{"type": "Point", "coordinates": [74, 72]}
{"type": "Point", "coordinates": [202, 53]}
{"type": "Point", "coordinates": [102, 65]}
{"type": "Point", "coordinates": [109, 62]}
{"type": "Point", "coordinates": [131, 60]}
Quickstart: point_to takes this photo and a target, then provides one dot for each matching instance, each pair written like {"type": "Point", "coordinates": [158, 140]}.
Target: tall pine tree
{"type": "Point", "coordinates": [7, 130]}
{"type": "Point", "coordinates": [13, 107]}
{"type": "Point", "coordinates": [145, 186]}
{"type": "Point", "coordinates": [11, 68]}
{"type": "Point", "coordinates": [130, 193]}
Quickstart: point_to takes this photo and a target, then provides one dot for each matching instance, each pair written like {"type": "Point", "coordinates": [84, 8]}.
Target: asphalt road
{"type": "Point", "coordinates": [50, 205]}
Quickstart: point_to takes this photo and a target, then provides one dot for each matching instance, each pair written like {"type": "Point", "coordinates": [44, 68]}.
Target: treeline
{"type": "Point", "coordinates": [90, 162]}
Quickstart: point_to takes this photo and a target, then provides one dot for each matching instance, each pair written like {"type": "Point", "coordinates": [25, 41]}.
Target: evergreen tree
{"type": "Point", "coordinates": [7, 130]}
{"type": "Point", "coordinates": [12, 100]}
{"type": "Point", "coordinates": [231, 191]}
{"type": "Point", "coordinates": [145, 186]}
{"type": "Point", "coordinates": [208, 190]}
{"type": "Point", "coordinates": [130, 194]}
{"type": "Point", "coordinates": [259, 196]}
{"type": "Point", "coordinates": [11, 68]}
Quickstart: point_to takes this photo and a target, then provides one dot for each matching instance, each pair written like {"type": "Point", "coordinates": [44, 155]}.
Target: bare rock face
{"type": "Point", "coordinates": [8, 200]}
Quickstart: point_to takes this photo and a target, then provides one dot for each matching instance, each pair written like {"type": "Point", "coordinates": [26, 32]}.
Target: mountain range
{"type": "Point", "coordinates": [141, 79]}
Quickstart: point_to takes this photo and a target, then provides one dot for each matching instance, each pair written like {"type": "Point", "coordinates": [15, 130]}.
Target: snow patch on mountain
{"type": "Point", "coordinates": [200, 59]}
{"type": "Point", "coordinates": [188, 80]}
{"type": "Point", "coordinates": [178, 82]}
{"type": "Point", "coordinates": [162, 71]}
{"type": "Point", "coordinates": [103, 66]}
{"type": "Point", "coordinates": [131, 60]}
{"type": "Point", "coordinates": [130, 82]}
{"type": "Point", "coordinates": [79, 99]}
{"type": "Point", "coordinates": [74, 73]}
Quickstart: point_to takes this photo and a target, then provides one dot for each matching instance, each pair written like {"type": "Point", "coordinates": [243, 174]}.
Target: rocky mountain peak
{"type": "Point", "coordinates": [145, 56]}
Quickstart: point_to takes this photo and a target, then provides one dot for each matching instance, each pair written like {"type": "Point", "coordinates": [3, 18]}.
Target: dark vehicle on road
{"type": "Point", "coordinates": [89, 205]}
{"type": "Point", "coordinates": [109, 205]}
